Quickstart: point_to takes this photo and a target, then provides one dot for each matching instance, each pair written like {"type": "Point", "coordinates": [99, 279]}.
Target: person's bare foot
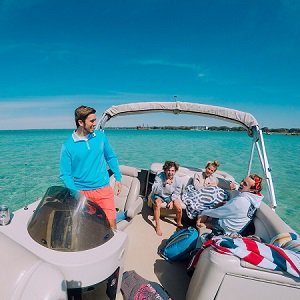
{"type": "Point", "coordinates": [158, 231]}
{"type": "Point", "coordinates": [178, 224]}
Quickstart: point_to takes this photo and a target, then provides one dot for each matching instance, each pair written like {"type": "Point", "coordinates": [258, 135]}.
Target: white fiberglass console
{"type": "Point", "coordinates": [73, 235]}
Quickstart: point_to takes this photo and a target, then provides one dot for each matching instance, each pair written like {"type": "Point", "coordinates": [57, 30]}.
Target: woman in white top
{"type": "Point", "coordinates": [206, 178]}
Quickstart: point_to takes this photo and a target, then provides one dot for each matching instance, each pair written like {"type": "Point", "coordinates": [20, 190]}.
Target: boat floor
{"type": "Point", "coordinates": [142, 257]}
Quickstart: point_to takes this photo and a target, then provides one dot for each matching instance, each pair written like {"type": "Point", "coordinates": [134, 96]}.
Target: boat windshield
{"type": "Point", "coordinates": [66, 222]}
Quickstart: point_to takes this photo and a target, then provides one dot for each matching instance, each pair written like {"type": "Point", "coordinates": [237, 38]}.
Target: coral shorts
{"type": "Point", "coordinates": [104, 198]}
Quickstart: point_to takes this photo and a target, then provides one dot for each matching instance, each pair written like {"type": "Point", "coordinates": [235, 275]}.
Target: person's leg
{"type": "Point", "coordinates": [201, 222]}
{"type": "Point", "coordinates": [113, 223]}
{"type": "Point", "coordinates": [157, 205]}
{"type": "Point", "coordinates": [108, 200]}
{"type": "Point", "coordinates": [178, 208]}
{"type": "Point", "coordinates": [104, 198]}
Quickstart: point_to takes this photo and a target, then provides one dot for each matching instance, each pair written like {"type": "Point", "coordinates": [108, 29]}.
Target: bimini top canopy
{"type": "Point", "coordinates": [244, 119]}
{"type": "Point", "coordinates": [227, 114]}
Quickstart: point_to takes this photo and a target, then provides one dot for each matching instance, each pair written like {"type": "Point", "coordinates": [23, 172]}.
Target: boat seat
{"type": "Point", "coordinates": [186, 176]}
{"type": "Point", "coordinates": [268, 224]}
{"type": "Point", "coordinates": [229, 277]}
{"type": "Point", "coordinates": [129, 200]}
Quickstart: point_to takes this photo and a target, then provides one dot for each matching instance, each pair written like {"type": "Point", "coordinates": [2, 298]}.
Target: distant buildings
{"type": "Point", "coordinates": [266, 130]}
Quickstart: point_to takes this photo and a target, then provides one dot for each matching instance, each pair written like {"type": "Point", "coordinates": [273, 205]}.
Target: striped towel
{"type": "Point", "coordinates": [266, 256]}
{"type": "Point", "coordinates": [197, 201]}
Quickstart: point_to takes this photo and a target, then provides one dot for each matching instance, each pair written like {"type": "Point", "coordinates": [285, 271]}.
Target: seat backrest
{"type": "Point", "coordinates": [130, 188]}
{"type": "Point", "coordinates": [186, 175]}
{"type": "Point", "coordinates": [268, 224]}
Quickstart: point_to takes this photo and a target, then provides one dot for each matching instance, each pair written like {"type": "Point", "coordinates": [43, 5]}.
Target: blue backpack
{"type": "Point", "coordinates": [180, 245]}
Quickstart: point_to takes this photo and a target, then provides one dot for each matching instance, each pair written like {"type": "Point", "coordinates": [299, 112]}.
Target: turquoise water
{"type": "Point", "coordinates": [30, 160]}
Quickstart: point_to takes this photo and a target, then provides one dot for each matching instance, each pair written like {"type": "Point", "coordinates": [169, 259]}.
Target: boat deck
{"type": "Point", "coordinates": [143, 258]}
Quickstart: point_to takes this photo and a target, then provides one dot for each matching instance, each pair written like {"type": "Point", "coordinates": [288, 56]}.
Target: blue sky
{"type": "Point", "coordinates": [56, 55]}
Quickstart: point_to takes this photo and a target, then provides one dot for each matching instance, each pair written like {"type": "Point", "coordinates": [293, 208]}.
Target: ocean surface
{"type": "Point", "coordinates": [29, 161]}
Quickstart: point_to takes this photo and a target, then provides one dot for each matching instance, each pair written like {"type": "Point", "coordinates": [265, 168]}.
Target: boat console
{"type": "Point", "coordinates": [73, 235]}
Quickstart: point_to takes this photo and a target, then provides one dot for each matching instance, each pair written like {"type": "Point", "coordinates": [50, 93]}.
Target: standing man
{"type": "Point", "coordinates": [83, 163]}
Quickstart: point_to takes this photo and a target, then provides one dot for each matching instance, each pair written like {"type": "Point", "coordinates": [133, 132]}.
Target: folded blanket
{"type": "Point", "coordinates": [287, 240]}
{"type": "Point", "coordinates": [134, 287]}
{"type": "Point", "coordinates": [266, 256]}
{"type": "Point", "coordinates": [198, 200]}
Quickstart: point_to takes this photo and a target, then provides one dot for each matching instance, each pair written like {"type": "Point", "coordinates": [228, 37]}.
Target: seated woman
{"type": "Point", "coordinates": [204, 192]}
{"type": "Point", "coordinates": [206, 178]}
{"type": "Point", "coordinates": [167, 188]}
{"type": "Point", "coordinates": [235, 214]}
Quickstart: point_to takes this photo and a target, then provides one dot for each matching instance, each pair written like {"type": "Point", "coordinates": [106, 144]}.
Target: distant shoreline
{"type": "Point", "coordinates": [265, 130]}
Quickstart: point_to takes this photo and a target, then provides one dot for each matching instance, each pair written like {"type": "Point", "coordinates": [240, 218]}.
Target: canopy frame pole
{"type": "Point", "coordinates": [251, 158]}
{"type": "Point", "coordinates": [260, 146]}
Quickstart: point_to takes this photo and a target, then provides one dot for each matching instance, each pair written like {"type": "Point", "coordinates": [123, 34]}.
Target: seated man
{"type": "Point", "coordinates": [167, 188]}
{"type": "Point", "coordinates": [235, 214]}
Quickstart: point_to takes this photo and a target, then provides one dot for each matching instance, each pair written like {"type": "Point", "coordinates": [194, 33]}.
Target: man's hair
{"type": "Point", "coordinates": [82, 112]}
{"type": "Point", "coordinates": [258, 183]}
{"type": "Point", "coordinates": [169, 164]}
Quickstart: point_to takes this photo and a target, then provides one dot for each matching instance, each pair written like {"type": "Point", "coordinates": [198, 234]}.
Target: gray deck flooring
{"type": "Point", "coordinates": [143, 258]}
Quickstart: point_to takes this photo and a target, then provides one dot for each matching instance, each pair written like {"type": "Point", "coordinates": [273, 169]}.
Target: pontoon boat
{"type": "Point", "coordinates": [61, 247]}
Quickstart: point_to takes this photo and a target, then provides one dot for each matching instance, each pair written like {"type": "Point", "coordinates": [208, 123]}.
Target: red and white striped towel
{"type": "Point", "coordinates": [266, 256]}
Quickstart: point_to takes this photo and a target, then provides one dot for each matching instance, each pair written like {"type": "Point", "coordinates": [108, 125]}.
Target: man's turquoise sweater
{"type": "Point", "coordinates": [83, 162]}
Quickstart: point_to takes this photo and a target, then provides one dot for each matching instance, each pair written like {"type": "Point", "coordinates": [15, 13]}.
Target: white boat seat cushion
{"type": "Point", "coordinates": [217, 276]}
{"type": "Point", "coordinates": [186, 176]}
{"type": "Point", "coordinates": [268, 224]}
{"type": "Point", "coordinates": [225, 272]}
{"type": "Point", "coordinates": [129, 199]}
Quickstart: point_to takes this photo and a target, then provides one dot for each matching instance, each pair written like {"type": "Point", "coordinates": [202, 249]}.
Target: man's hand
{"type": "Point", "coordinates": [219, 204]}
{"type": "Point", "coordinates": [170, 205]}
{"type": "Point", "coordinates": [232, 186]}
{"type": "Point", "coordinates": [169, 181]}
{"type": "Point", "coordinates": [118, 187]}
